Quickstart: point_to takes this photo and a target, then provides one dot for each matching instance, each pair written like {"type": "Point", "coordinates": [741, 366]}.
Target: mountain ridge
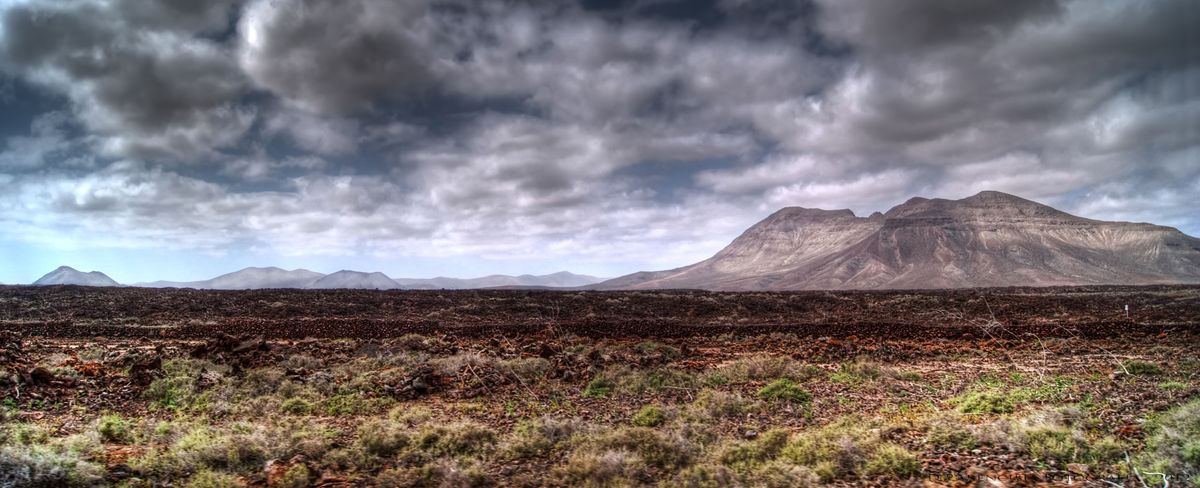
{"type": "Point", "coordinates": [66, 275]}
{"type": "Point", "coordinates": [251, 278]}
{"type": "Point", "coordinates": [988, 239]}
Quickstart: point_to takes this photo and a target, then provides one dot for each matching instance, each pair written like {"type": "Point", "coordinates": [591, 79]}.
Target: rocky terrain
{"type": "Point", "coordinates": [336, 388]}
{"type": "Point", "coordinates": [990, 239]}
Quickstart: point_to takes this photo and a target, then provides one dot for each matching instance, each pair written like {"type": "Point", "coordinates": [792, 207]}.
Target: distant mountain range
{"type": "Point", "coordinates": [990, 239]}
{"type": "Point", "coordinates": [271, 277]}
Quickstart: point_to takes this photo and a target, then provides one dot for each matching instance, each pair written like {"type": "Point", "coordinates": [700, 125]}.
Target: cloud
{"type": "Point", "coordinates": [336, 57]}
{"type": "Point", "coordinates": [144, 87]}
{"type": "Point", "coordinates": [516, 129]}
{"type": "Point", "coordinates": [47, 144]}
{"type": "Point", "coordinates": [327, 136]}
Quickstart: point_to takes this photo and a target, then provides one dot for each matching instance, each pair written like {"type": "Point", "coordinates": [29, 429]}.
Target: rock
{"type": "Point", "coordinates": [256, 344]}
{"type": "Point", "coordinates": [419, 386]}
{"type": "Point", "coordinates": [40, 376]}
{"type": "Point", "coordinates": [142, 371]}
{"type": "Point", "coordinates": [274, 471]}
{"type": "Point", "coordinates": [990, 482]}
{"type": "Point", "coordinates": [975, 471]}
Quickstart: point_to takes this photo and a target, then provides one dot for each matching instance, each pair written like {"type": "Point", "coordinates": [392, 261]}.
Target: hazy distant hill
{"type": "Point", "coordinates": [990, 239]}
{"type": "Point", "coordinates": [257, 278]}
{"type": "Point", "coordinates": [248, 279]}
{"type": "Point", "coordinates": [355, 280]}
{"type": "Point", "coordinates": [561, 279]}
{"type": "Point", "coordinates": [66, 275]}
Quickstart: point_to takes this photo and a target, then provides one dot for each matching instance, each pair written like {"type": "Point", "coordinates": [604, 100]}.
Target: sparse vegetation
{"type": "Point", "coordinates": [649, 416]}
{"type": "Point", "coordinates": [784, 389]}
{"type": "Point", "coordinates": [1140, 368]}
{"type": "Point", "coordinates": [985, 402]}
{"type": "Point", "coordinates": [1173, 447]}
{"type": "Point", "coordinates": [554, 409]}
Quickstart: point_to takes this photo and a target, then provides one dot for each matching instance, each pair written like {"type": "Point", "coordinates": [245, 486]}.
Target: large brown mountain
{"type": "Point", "coordinates": [990, 239]}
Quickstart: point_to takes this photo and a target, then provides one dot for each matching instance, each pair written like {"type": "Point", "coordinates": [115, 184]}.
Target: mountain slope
{"type": "Point", "coordinates": [355, 280]}
{"type": "Point", "coordinates": [257, 278]}
{"type": "Point", "coordinates": [561, 279]}
{"type": "Point", "coordinates": [990, 239]}
{"type": "Point", "coordinates": [247, 279]}
{"type": "Point", "coordinates": [66, 275]}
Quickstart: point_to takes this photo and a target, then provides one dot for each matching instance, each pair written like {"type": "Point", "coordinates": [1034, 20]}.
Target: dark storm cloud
{"type": "Point", "coordinates": [517, 128]}
{"type": "Point", "coordinates": [337, 56]}
{"type": "Point", "coordinates": [142, 85]}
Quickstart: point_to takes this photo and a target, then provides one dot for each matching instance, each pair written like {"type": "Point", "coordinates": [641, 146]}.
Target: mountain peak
{"type": "Point", "coordinates": [987, 239]}
{"type": "Point", "coordinates": [66, 275]}
{"type": "Point", "coordinates": [983, 205]}
{"type": "Point", "coordinates": [812, 214]}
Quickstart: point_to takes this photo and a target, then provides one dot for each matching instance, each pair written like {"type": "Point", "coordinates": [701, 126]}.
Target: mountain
{"type": "Point", "coordinates": [561, 279]}
{"type": "Point", "coordinates": [256, 278]}
{"type": "Point", "coordinates": [355, 280]}
{"type": "Point", "coordinates": [66, 275]}
{"type": "Point", "coordinates": [248, 279]}
{"type": "Point", "coordinates": [989, 239]}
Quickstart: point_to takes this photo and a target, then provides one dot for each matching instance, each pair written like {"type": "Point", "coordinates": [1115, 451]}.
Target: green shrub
{"type": "Point", "coordinates": [212, 479]}
{"type": "Point", "coordinates": [1135, 367]}
{"type": "Point", "coordinates": [297, 476]}
{"type": "Point", "coordinates": [45, 465]}
{"type": "Point", "coordinates": [653, 380]}
{"type": "Point", "coordinates": [649, 416]}
{"type": "Point", "coordinates": [1053, 443]}
{"type": "Point", "coordinates": [598, 469]}
{"type": "Point", "coordinates": [985, 402]}
{"type": "Point", "coordinates": [702, 476]}
{"type": "Point", "coordinates": [354, 404]}
{"type": "Point", "coordinates": [411, 416]}
{"type": "Point", "coordinates": [786, 390]}
{"type": "Point", "coordinates": [598, 387]}
{"type": "Point", "coordinates": [455, 440]}
{"type": "Point", "coordinates": [24, 434]}
{"type": "Point", "coordinates": [951, 434]}
{"type": "Point", "coordinates": [892, 460]}
{"type": "Point", "coordinates": [240, 447]}
{"type": "Point", "coordinates": [180, 386]}
{"type": "Point", "coordinates": [859, 371]}
{"type": "Point", "coordinates": [172, 393]}
{"type": "Point", "coordinates": [210, 448]}
{"type": "Point", "coordinates": [525, 368]}
{"type": "Point", "coordinates": [381, 438]}
{"type": "Point", "coordinates": [653, 448]}
{"type": "Point", "coordinates": [658, 350]}
{"type": "Point", "coordinates": [1173, 446]}
{"type": "Point", "coordinates": [761, 367]}
{"type": "Point", "coordinates": [778, 474]}
{"type": "Point", "coordinates": [441, 473]}
{"type": "Point", "coordinates": [748, 455]}
{"type": "Point", "coordinates": [296, 406]}
{"type": "Point", "coordinates": [719, 404]}
{"type": "Point", "coordinates": [536, 438]}
{"type": "Point", "coordinates": [842, 447]}
{"type": "Point", "coordinates": [115, 429]}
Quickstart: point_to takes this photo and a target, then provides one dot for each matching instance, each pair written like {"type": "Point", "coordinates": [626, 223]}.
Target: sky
{"type": "Point", "coordinates": [180, 139]}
